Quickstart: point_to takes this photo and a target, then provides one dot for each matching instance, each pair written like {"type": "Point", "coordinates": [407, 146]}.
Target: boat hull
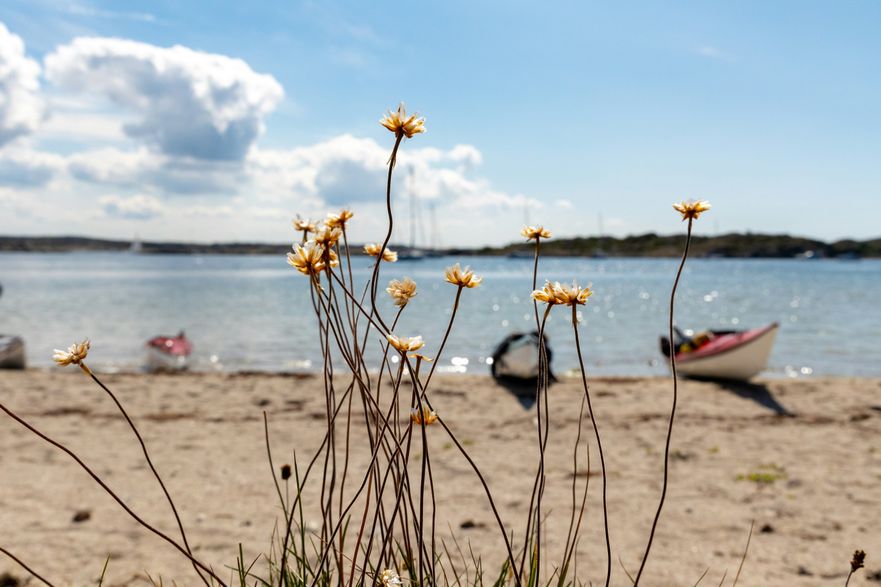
{"type": "Point", "coordinates": [158, 360]}
{"type": "Point", "coordinates": [12, 355]}
{"type": "Point", "coordinates": [738, 356]}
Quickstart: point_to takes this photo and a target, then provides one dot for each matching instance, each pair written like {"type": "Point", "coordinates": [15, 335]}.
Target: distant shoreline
{"type": "Point", "coordinates": [733, 245]}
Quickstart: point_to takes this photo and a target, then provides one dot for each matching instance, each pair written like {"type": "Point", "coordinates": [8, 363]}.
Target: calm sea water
{"type": "Point", "coordinates": [253, 312]}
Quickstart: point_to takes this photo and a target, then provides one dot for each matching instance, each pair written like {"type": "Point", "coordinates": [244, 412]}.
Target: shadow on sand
{"type": "Point", "coordinates": [757, 392]}
{"type": "Point", "coordinates": [522, 390]}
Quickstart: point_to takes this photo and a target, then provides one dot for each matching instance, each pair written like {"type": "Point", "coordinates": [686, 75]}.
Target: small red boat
{"type": "Point", "coordinates": [723, 354]}
{"type": "Point", "coordinates": [169, 353]}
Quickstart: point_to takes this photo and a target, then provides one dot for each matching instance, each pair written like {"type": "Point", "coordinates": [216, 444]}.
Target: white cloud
{"type": "Point", "coordinates": [23, 168]}
{"type": "Point", "coordinates": [138, 207]}
{"type": "Point", "coordinates": [21, 106]}
{"type": "Point", "coordinates": [189, 103]}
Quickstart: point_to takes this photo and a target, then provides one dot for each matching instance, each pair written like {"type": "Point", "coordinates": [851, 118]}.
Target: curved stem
{"type": "Point", "coordinates": [134, 428]}
{"type": "Point", "coordinates": [596, 431]}
{"type": "Point", "coordinates": [672, 410]}
{"type": "Point", "coordinates": [374, 280]}
{"type": "Point", "coordinates": [112, 494]}
{"type": "Point", "coordinates": [25, 567]}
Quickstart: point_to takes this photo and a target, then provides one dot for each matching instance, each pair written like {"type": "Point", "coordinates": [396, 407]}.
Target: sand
{"type": "Point", "coordinates": [799, 457]}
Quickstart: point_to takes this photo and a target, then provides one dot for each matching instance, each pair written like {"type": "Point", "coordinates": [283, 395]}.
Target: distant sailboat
{"type": "Point", "coordinates": [411, 252]}
{"type": "Point", "coordinates": [137, 246]}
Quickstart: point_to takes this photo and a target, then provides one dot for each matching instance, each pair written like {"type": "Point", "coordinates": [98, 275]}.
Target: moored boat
{"type": "Point", "coordinates": [169, 353]}
{"type": "Point", "coordinates": [12, 355]}
{"type": "Point", "coordinates": [723, 354]}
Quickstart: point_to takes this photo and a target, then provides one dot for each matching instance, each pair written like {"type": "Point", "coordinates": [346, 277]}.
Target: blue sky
{"type": "Point", "coordinates": [559, 113]}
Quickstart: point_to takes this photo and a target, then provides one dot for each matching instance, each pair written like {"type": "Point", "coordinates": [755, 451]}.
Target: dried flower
{"type": "Point", "coordinates": [399, 123]}
{"type": "Point", "coordinates": [462, 277]}
{"type": "Point", "coordinates": [858, 561]}
{"type": "Point", "coordinates": [425, 415]}
{"type": "Point", "coordinates": [389, 578]}
{"type": "Point", "coordinates": [558, 293]}
{"type": "Point", "coordinates": [401, 291]}
{"type": "Point", "coordinates": [373, 250]}
{"type": "Point", "coordinates": [404, 344]}
{"type": "Point", "coordinates": [303, 225]}
{"type": "Point", "coordinates": [420, 357]}
{"type": "Point", "coordinates": [535, 232]}
{"type": "Point", "coordinates": [285, 472]}
{"type": "Point", "coordinates": [691, 209]}
{"type": "Point", "coordinates": [311, 258]}
{"type": "Point", "coordinates": [326, 236]}
{"type": "Point", "coordinates": [74, 355]}
{"type": "Point", "coordinates": [338, 220]}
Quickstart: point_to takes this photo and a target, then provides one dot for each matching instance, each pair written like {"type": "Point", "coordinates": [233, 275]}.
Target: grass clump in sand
{"type": "Point", "coordinates": [378, 524]}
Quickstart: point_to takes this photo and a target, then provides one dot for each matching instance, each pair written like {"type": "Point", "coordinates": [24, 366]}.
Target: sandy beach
{"type": "Point", "coordinates": [799, 457]}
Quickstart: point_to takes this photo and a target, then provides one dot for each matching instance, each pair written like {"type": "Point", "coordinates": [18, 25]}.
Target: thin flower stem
{"type": "Point", "coordinates": [25, 567]}
{"type": "Point", "coordinates": [110, 492]}
{"type": "Point", "coordinates": [444, 340]}
{"type": "Point", "coordinates": [596, 431]}
{"type": "Point", "coordinates": [374, 280]}
{"type": "Point", "coordinates": [134, 428]}
{"type": "Point", "coordinates": [672, 410]}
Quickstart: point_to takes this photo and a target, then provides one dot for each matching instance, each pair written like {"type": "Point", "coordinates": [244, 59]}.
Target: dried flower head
{"type": "Point", "coordinates": [74, 355]}
{"type": "Point", "coordinates": [858, 561]}
{"type": "Point", "coordinates": [338, 220]}
{"type": "Point", "coordinates": [401, 291]}
{"type": "Point", "coordinates": [326, 236]}
{"type": "Point", "coordinates": [462, 277]}
{"type": "Point", "coordinates": [374, 249]}
{"type": "Point", "coordinates": [285, 472]}
{"type": "Point", "coordinates": [402, 125]}
{"type": "Point", "coordinates": [389, 578]}
{"type": "Point", "coordinates": [303, 225]}
{"type": "Point", "coordinates": [535, 232]}
{"type": "Point", "coordinates": [691, 209]}
{"type": "Point", "coordinates": [557, 293]}
{"type": "Point", "coordinates": [426, 415]}
{"type": "Point", "coordinates": [405, 344]}
{"type": "Point", "coordinates": [309, 259]}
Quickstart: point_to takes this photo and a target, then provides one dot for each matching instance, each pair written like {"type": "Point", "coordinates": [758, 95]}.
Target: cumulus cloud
{"type": "Point", "coordinates": [24, 168]}
{"type": "Point", "coordinates": [346, 170]}
{"type": "Point", "coordinates": [144, 168]}
{"type": "Point", "coordinates": [139, 207]}
{"type": "Point", "coordinates": [189, 103]}
{"type": "Point", "coordinates": [21, 106]}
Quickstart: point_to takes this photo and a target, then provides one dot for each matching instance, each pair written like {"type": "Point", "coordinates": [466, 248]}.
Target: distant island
{"type": "Point", "coordinates": [737, 245]}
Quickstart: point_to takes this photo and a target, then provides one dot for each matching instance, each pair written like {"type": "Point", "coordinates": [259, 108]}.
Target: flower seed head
{"type": "Point", "coordinates": [309, 259]}
{"type": "Point", "coordinates": [558, 293]}
{"type": "Point", "coordinates": [389, 578]}
{"type": "Point", "coordinates": [425, 415]}
{"type": "Point", "coordinates": [401, 291]}
{"type": "Point", "coordinates": [74, 355]}
{"type": "Point", "coordinates": [691, 209]}
{"type": "Point", "coordinates": [326, 236]}
{"type": "Point", "coordinates": [338, 220]}
{"type": "Point", "coordinates": [462, 277]}
{"type": "Point", "coordinates": [535, 232]}
{"type": "Point", "coordinates": [858, 561]}
{"type": "Point", "coordinates": [374, 249]}
{"type": "Point", "coordinates": [303, 225]}
{"type": "Point", "coordinates": [402, 125]}
{"type": "Point", "coordinates": [285, 472]}
{"type": "Point", "coordinates": [405, 344]}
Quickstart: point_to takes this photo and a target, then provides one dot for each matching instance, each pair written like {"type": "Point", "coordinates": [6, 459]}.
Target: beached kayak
{"type": "Point", "coordinates": [718, 354]}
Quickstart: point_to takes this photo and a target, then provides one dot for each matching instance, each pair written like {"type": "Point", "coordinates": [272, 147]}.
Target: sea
{"type": "Point", "coordinates": [253, 313]}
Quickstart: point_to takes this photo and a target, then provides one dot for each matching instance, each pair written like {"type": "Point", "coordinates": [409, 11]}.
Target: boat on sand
{"type": "Point", "coordinates": [169, 353]}
{"type": "Point", "coordinates": [722, 354]}
{"type": "Point", "coordinates": [12, 354]}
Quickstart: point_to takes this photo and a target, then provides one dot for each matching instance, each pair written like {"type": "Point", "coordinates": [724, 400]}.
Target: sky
{"type": "Point", "coordinates": [221, 121]}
